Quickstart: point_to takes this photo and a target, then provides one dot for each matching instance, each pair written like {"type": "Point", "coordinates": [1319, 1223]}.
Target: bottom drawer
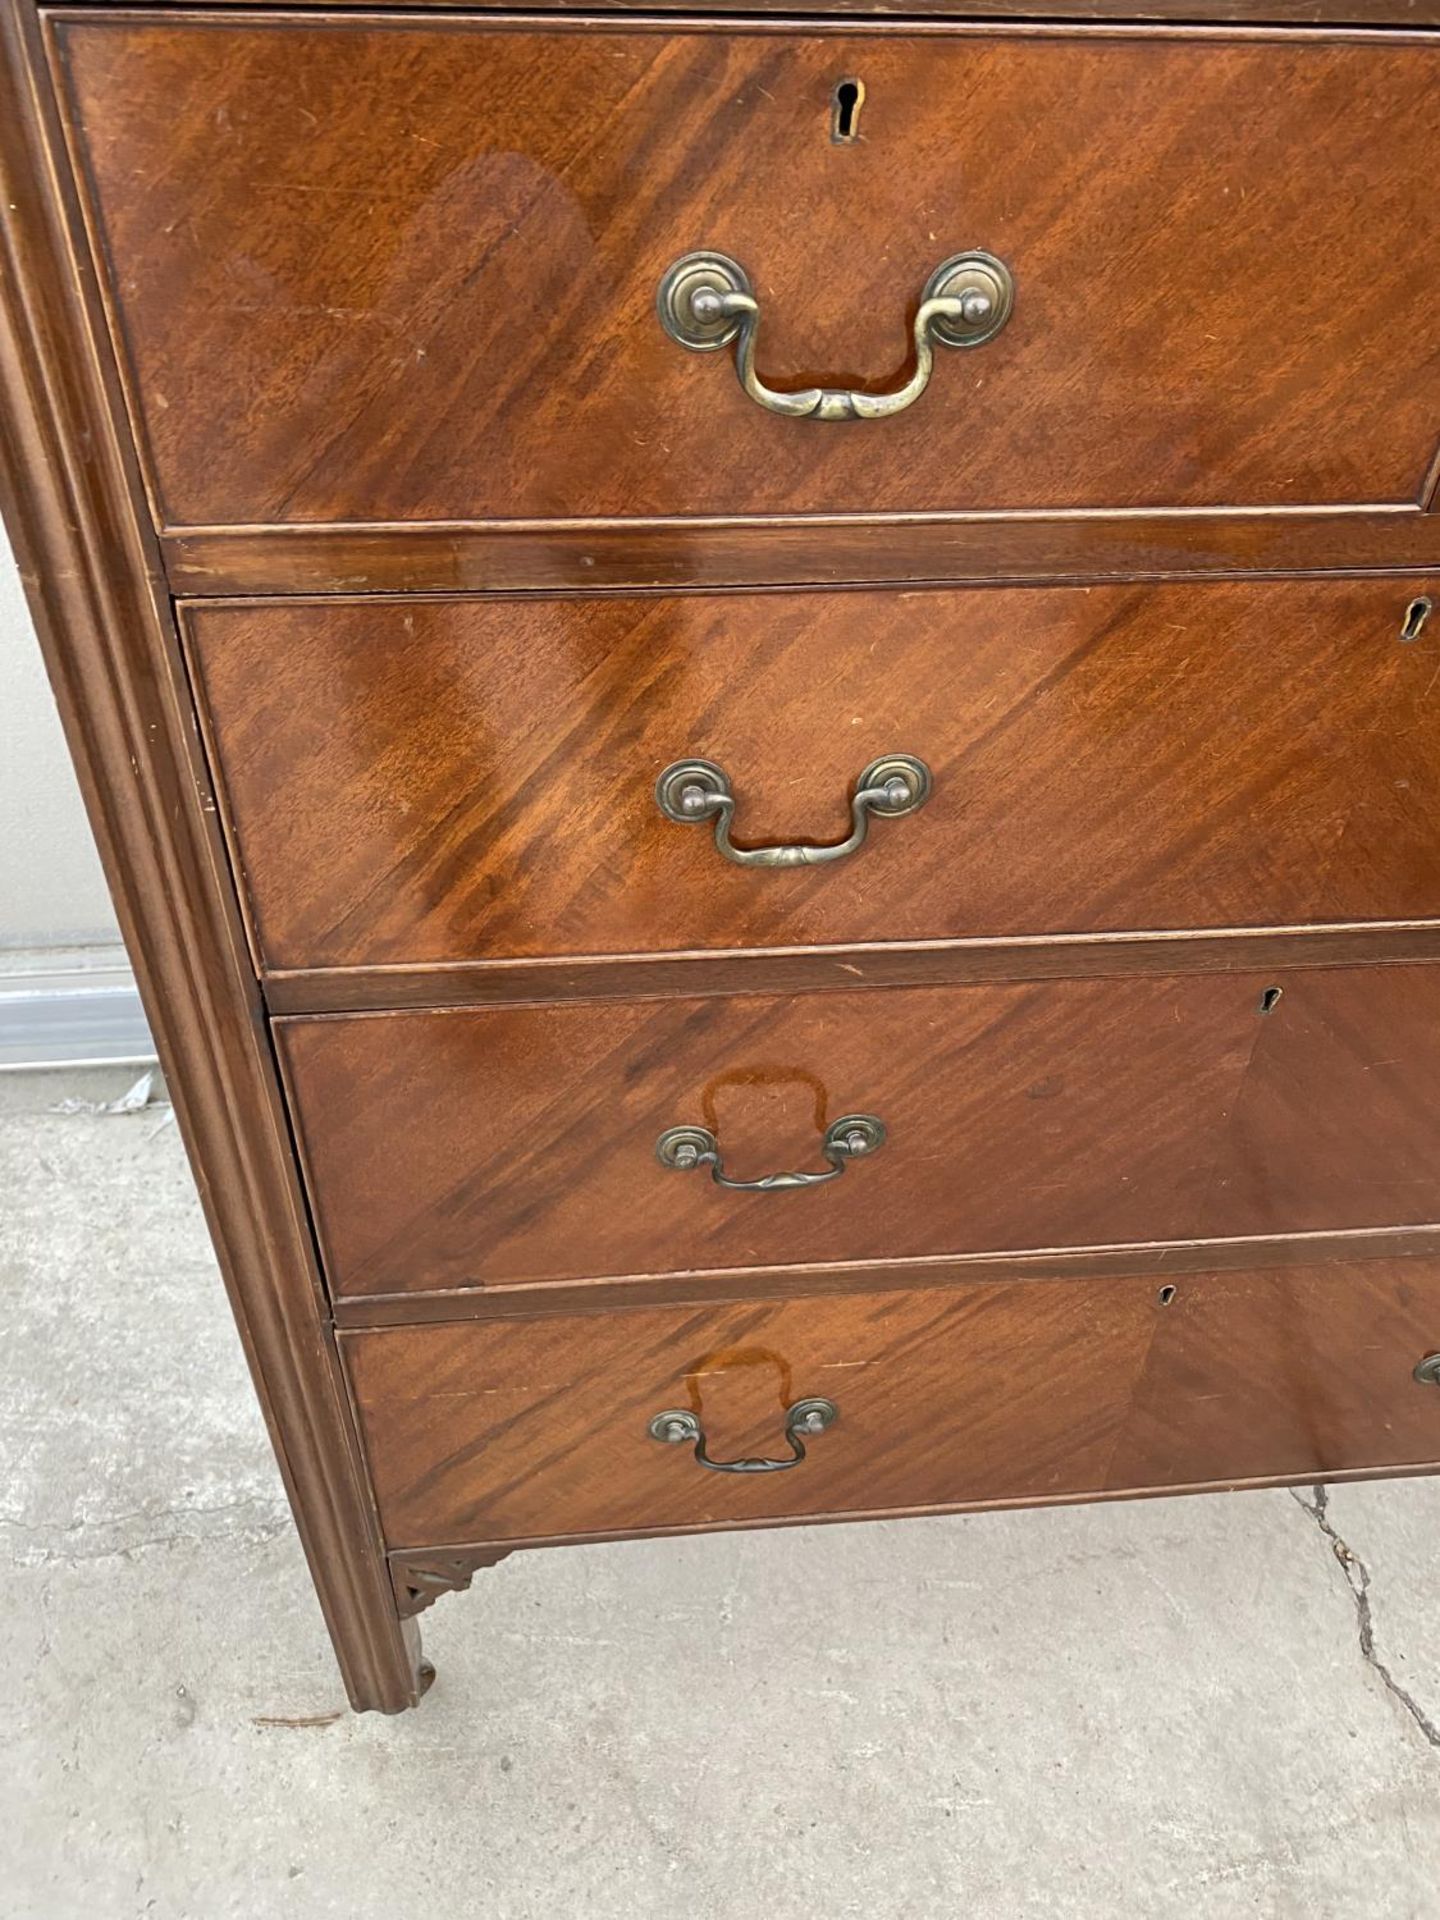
{"type": "Point", "coordinates": [497, 1430]}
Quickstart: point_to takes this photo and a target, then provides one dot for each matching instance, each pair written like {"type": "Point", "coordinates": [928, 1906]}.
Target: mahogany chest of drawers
{"type": "Point", "coordinates": [761, 697]}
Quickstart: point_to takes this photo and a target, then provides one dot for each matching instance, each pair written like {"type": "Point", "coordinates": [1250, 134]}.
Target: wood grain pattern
{"type": "Point", "coordinates": [414, 784]}
{"type": "Point", "coordinates": [448, 557]}
{"type": "Point", "coordinates": [70, 498]}
{"type": "Point", "coordinates": [979, 1393]}
{"type": "Point", "coordinates": [517, 1144]}
{"type": "Point", "coordinates": [347, 294]}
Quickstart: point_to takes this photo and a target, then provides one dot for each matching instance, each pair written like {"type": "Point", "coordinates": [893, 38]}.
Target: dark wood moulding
{"type": "Point", "coordinates": [1160, 1258]}
{"type": "Point", "coordinates": [1294, 14]}
{"type": "Point", "coordinates": [74, 512]}
{"type": "Point", "coordinates": [939, 963]}
{"type": "Point", "coordinates": [675, 554]}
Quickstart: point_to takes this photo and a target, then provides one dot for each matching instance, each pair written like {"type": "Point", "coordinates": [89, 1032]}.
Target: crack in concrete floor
{"type": "Point", "coordinates": [1358, 1579]}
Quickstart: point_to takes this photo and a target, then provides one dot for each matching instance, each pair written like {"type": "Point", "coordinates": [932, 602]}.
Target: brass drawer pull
{"type": "Point", "coordinates": [705, 301]}
{"type": "Point", "coordinates": [683, 1149]}
{"type": "Point", "coordinates": [694, 791]}
{"type": "Point", "coordinates": [678, 1428]}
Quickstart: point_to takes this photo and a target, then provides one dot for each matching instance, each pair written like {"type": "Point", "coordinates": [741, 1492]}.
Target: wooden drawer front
{"type": "Point", "coordinates": [468, 1148]}
{"type": "Point", "coordinates": [459, 780]}
{"type": "Point", "coordinates": [409, 271]}
{"type": "Point", "coordinates": [1035, 1390]}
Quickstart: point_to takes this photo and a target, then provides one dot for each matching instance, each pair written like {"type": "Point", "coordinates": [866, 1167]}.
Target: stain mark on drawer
{"type": "Point", "coordinates": [727, 1359]}
{"type": "Point", "coordinates": [808, 1084]}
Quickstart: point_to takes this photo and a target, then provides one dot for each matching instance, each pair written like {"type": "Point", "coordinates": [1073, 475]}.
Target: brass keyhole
{"type": "Point", "coordinates": [845, 105]}
{"type": "Point", "coordinates": [1416, 614]}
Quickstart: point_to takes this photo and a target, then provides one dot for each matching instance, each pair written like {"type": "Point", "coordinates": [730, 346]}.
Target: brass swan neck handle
{"type": "Point", "coordinates": [693, 792]}
{"type": "Point", "coordinates": [679, 1427]}
{"type": "Point", "coordinates": [705, 301]}
{"type": "Point", "coordinates": [853, 1137]}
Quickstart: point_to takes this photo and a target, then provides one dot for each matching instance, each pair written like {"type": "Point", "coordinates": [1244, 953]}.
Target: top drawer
{"type": "Point", "coordinates": [383, 271]}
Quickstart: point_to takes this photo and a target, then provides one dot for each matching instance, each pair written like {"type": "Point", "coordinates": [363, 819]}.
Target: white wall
{"type": "Point", "coordinates": [51, 889]}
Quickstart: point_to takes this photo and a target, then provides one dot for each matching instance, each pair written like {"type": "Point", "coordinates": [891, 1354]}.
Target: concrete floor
{"type": "Point", "coordinates": [1212, 1707]}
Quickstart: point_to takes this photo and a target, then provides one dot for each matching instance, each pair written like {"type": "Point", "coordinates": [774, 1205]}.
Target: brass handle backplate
{"type": "Point", "coordinates": [694, 791]}
{"type": "Point", "coordinates": [705, 301]}
{"type": "Point", "coordinates": [679, 1428]}
{"type": "Point", "coordinates": [684, 1149]}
